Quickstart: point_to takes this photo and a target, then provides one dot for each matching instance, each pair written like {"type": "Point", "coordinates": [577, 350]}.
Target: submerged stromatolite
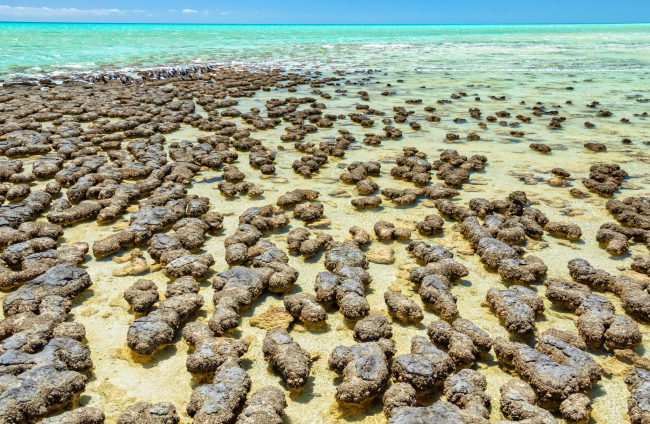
{"type": "Point", "coordinates": [555, 369]}
{"type": "Point", "coordinates": [151, 332]}
{"type": "Point", "coordinates": [424, 368]}
{"type": "Point", "coordinates": [293, 362]}
{"type": "Point", "coordinates": [598, 323]}
{"type": "Point", "coordinates": [464, 342]}
{"type": "Point", "coordinates": [364, 367]}
{"type": "Point", "coordinates": [120, 183]}
{"type": "Point", "coordinates": [346, 282]}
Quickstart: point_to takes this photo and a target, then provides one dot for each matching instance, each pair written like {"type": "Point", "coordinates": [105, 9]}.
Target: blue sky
{"type": "Point", "coordinates": [328, 12]}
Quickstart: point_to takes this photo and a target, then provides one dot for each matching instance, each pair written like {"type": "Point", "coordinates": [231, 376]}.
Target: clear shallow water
{"type": "Point", "coordinates": [118, 379]}
{"type": "Point", "coordinates": [35, 48]}
{"type": "Point", "coordinates": [608, 63]}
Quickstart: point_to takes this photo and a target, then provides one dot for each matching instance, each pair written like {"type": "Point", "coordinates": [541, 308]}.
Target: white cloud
{"type": "Point", "coordinates": [225, 13]}
{"type": "Point", "coordinates": [47, 12]}
{"type": "Point", "coordinates": [205, 12]}
{"type": "Point", "coordinates": [189, 11]}
{"type": "Point", "coordinates": [138, 11]}
{"type": "Point", "coordinates": [171, 10]}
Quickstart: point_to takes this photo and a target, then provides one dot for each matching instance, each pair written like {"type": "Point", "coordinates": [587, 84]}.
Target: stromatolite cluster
{"type": "Point", "coordinates": [345, 281]}
{"type": "Point", "coordinates": [598, 322]}
{"type": "Point", "coordinates": [364, 366]}
{"type": "Point", "coordinates": [435, 278]}
{"type": "Point", "coordinates": [106, 162]}
{"type": "Point", "coordinates": [40, 352]}
{"type": "Point", "coordinates": [156, 329]}
{"type": "Point", "coordinates": [454, 169]}
{"type": "Point", "coordinates": [555, 369]}
{"type": "Point", "coordinates": [293, 362]}
{"type": "Point", "coordinates": [464, 342]}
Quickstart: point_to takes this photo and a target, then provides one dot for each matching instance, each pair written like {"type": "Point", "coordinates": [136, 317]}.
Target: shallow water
{"type": "Point", "coordinates": [610, 64]}
{"type": "Point", "coordinates": [34, 49]}
{"type": "Point", "coordinates": [119, 379]}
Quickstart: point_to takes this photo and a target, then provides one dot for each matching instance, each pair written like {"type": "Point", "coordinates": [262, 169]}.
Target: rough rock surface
{"type": "Point", "coordinates": [265, 406]}
{"type": "Point", "coordinates": [210, 353]}
{"type": "Point", "coordinates": [424, 368]}
{"type": "Point", "coordinates": [83, 415]}
{"type": "Point", "coordinates": [153, 331]}
{"type": "Point", "coordinates": [638, 383]}
{"type": "Point", "coordinates": [555, 369]}
{"type": "Point", "coordinates": [293, 362]}
{"type": "Point", "coordinates": [464, 342]}
{"type": "Point", "coordinates": [143, 412]}
{"type": "Point", "coordinates": [517, 307]}
{"type": "Point", "coordinates": [597, 323]}
{"type": "Point", "coordinates": [305, 307]}
{"type": "Point", "coordinates": [220, 401]}
{"type": "Point", "coordinates": [346, 281]}
{"type": "Point", "coordinates": [364, 367]}
{"type": "Point", "coordinates": [372, 328]}
{"type": "Point", "coordinates": [405, 309]}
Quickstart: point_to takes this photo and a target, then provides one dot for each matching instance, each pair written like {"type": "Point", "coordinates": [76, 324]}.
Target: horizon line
{"type": "Point", "coordinates": [322, 24]}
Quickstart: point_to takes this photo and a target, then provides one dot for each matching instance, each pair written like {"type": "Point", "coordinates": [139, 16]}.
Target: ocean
{"type": "Point", "coordinates": [37, 48]}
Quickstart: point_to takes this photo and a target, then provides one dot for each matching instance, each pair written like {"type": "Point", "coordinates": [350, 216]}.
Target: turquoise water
{"type": "Point", "coordinates": [36, 48]}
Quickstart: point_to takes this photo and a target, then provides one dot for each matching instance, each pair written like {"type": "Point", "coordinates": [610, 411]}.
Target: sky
{"type": "Point", "coordinates": [327, 12]}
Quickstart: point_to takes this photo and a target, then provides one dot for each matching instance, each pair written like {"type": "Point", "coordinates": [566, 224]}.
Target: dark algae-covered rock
{"type": "Point", "coordinates": [364, 367]}
{"type": "Point", "coordinates": [517, 307]}
{"type": "Point", "coordinates": [424, 368]}
{"type": "Point", "coordinates": [149, 333]}
{"type": "Point", "coordinates": [555, 369]}
{"type": "Point", "coordinates": [464, 342]}
{"type": "Point", "coordinates": [638, 383]}
{"type": "Point", "coordinates": [265, 406]}
{"type": "Point", "coordinates": [210, 353]}
{"type": "Point", "coordinates": [293, 362]}
{"type": "Point", "coordinates": [143, 412]}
